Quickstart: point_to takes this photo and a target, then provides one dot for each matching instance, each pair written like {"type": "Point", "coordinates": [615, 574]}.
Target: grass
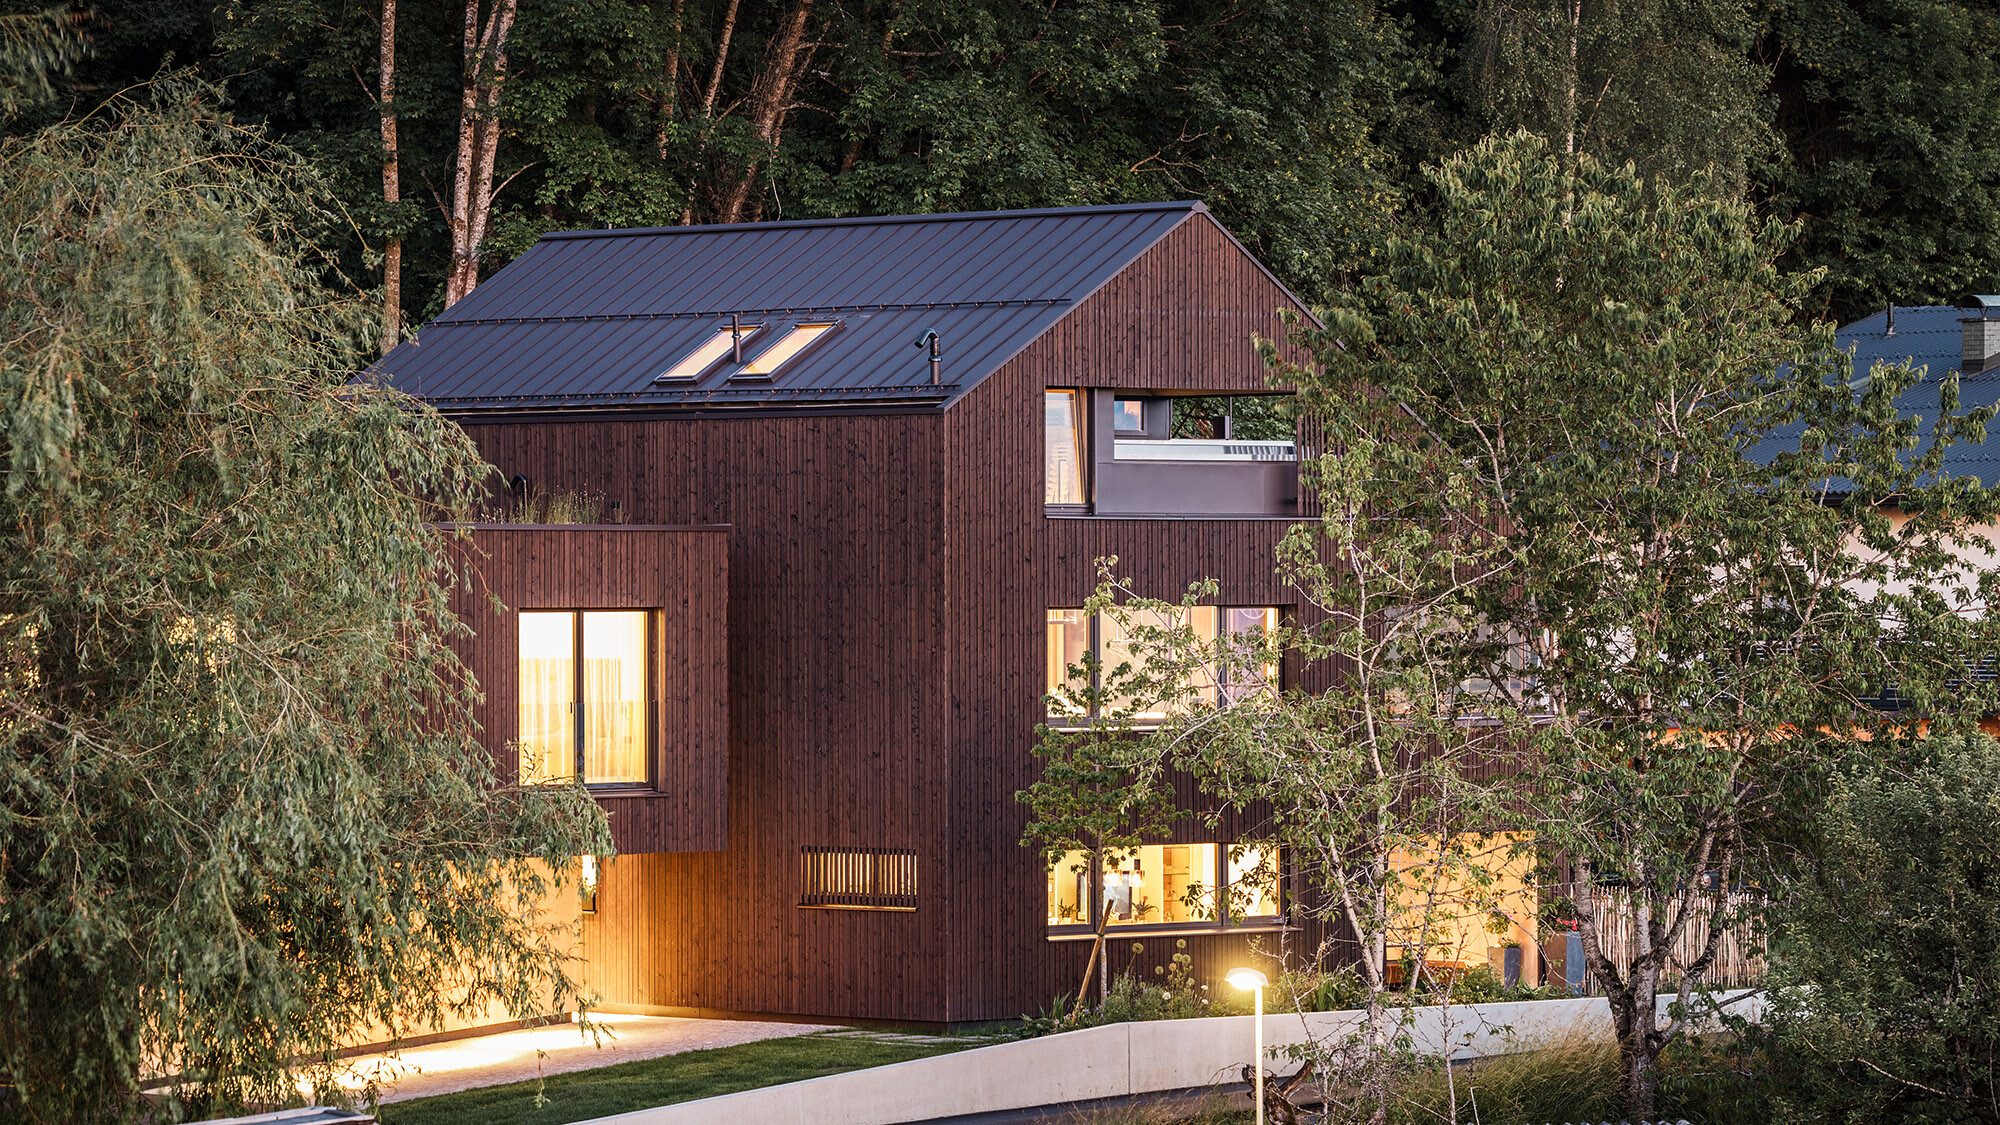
{"type": "Point", "coordinates": [581, 1095]}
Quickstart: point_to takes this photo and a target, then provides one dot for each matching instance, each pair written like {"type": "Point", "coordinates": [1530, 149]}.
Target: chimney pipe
{"type": "Point", "coordinates": [931, 337]}
{"type": "Point", "coordinates": [1981, 342]}
{"type": "Point", "coordinates": [736, 338]}
{"type": "Point", "coordinates": [1891, 329]}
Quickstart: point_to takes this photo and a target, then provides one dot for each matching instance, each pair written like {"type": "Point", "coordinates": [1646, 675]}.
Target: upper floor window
{"type": "Point", "coordinates": [1072, 634]}
{"type": "Point", "coordinates": [1062, 448]}
{"type": "Point", "coordinates": [584, 699]}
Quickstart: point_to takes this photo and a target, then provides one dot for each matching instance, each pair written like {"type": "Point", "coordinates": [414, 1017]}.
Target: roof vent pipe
{"type": "Point", "coordinates": [937, 355]}
{"type": "Point", "coordinates": [1981, 349]}
{"type": "Point", "coordinates": [736, 339]}
{"type": "Point", "coordinates": [1891, 329]}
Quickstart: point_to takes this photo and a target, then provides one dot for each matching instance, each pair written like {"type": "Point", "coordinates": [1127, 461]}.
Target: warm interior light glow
{"type": "Point", "coordinates": [587, 873]}
{"type": "Point", "coordinates": [1246, 978]}
{"type": "Point", "coordinates": [704, 357]}
{"type": "Point", "coordinates": [788, 345]}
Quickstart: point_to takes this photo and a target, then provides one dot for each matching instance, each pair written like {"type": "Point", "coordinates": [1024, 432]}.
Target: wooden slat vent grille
{"type": "Point", "coordinates": [858, 878]}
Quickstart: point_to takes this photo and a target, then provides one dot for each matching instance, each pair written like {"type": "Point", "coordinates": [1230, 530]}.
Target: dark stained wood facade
{"type": "Point", "coordinates": [680, 573]}
{"type": "Point", "coordinates": [888, 577]}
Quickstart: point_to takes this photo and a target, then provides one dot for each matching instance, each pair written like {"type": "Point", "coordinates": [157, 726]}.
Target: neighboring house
{"type": "Point", "coordinates": [915, 436]}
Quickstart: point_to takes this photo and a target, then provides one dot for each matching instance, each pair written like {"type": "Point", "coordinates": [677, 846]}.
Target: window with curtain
{"type": "Point", "coordinates": [584, 701]}
{"type": "Point", "coordinates": [1062, 448]}
{"type": "Point", "coordinates": [1072, 633]}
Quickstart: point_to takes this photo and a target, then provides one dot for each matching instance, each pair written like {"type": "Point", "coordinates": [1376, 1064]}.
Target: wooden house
{"type": "Point", "coordinates": [858, 474]}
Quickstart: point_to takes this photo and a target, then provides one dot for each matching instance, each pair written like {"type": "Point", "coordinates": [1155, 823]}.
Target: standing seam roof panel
{"type": "Point", "coordinates": [590, 316]}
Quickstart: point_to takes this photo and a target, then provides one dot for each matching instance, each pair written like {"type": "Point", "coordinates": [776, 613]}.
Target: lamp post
{"type": "Point", "coordinates": [1253, 982]}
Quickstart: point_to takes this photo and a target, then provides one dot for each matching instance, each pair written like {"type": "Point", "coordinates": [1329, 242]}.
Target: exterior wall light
{"type": "Point", "coordinates": [1254, 982]}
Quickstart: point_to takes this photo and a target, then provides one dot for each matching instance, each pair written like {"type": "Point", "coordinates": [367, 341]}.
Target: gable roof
{"type": "Point", "coordinates": [589, 318]}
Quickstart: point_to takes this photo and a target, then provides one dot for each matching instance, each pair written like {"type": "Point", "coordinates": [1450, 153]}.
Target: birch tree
{"type": "Point", "coordinates": [392, 187]}
{"type": "Point", "coordinates": [483, 78]}
{"type": "Point", "coordinates": [1717, 546]}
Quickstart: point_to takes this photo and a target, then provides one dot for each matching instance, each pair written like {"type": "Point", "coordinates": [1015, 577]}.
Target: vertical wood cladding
{"type": "Point", "coordinates": [681, 572]}
{"type": "Point", "coordinates": [836, 706]}
{"type": "Point", "coordinates": [1183, 317]}
{"type": "Point", "coordinates": [888, 581]}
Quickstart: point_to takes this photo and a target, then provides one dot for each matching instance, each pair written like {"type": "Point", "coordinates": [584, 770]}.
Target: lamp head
{"type": "Point", "coordinates": [1246, 978]}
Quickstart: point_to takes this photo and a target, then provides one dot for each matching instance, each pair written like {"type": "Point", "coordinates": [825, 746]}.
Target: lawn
{"type": "Point", "coordinates": [585, 1094]}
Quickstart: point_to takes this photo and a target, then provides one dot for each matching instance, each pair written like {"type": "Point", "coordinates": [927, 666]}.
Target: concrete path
{"type": "Point", "coordinates": [514, 1056]}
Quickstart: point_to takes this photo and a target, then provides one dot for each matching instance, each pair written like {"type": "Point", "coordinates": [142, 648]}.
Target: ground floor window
{"type": "Point", "coordinates": [1177, 886]}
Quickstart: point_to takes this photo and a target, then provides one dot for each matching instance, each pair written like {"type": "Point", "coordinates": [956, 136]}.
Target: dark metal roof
{"type": "Point", "coordinates": [589, 318]}
{"type": "Point", "coordinates": [1930, 337]}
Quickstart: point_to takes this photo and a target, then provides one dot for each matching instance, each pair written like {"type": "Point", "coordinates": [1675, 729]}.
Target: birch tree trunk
{"type": "Point", "coordinates": [478, 141]}
{"type": "Point", "coordinates": [392, 193]}
{"type": "Point", "coordinates": [770, 99]}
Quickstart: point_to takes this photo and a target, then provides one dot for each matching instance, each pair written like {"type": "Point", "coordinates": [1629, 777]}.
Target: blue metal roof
{"type": "Point", "coordinates": [1929, 337]}
{"type": "Point", "coordinates": [589, 318]}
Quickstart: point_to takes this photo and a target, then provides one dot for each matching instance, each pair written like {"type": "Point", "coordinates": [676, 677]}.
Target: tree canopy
{"type": "Point", "coordinates": [242, 810]}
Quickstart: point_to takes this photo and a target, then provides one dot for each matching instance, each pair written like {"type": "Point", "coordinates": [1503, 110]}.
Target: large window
{"type": "Point", "coordinates": [584, 699]}
{"type": "Point", "coordinates": [1180, 886]}
{"type": "Point", "coordinates": [1072, 633]}
{"type": "Point", "coordinates": [1062, 447]}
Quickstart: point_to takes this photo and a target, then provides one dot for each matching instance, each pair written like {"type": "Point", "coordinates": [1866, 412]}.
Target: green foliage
{"type": "Point", "coordinates": [1597, 387]}
{"type": "Point", "coordinates": [1169, 991]}
{"type": "Point", "coordinates": [1669, 86]}
{"type": "Point", "coordinates": [242, 809]}
{"type": "Point", "coordinates": [1887, 108]}
{"type": "Point", "coordinates": [1885, 968]}
{"type": "Point", "coordinates": [34, 45]}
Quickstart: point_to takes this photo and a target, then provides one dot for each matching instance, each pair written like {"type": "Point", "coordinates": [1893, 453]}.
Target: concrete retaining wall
{"type": "Point", "coordinates": [1113, 1061]}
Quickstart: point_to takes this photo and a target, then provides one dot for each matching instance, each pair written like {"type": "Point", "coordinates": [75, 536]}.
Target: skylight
{"type": "Point", "coordinates": [801, 337]}
{"type": "Point", "coordinates": [702, 358]}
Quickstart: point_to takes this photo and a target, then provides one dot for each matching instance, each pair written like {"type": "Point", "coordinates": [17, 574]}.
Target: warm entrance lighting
{"type": "Point", "coordinates": [1253, 982]}
{"type": "Point", "coordinates": [1249, 980]}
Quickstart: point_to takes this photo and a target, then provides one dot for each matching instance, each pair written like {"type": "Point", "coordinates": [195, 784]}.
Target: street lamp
{"type": "Point", "coordinates": [1253, 982]}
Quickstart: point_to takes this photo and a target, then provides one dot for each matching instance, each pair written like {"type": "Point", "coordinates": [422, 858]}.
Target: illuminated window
{"type": "Point", "coordinates": [858, 879]}
{"type": "Point", "coordinates": [801, 337]}
{"type": "Point", "coordinates": [1072, 633]}
{"type": "Point", "coordinates": [583, 697]}
{"type": "Point", "coordinates": [695, 363]}
{"type": "Point", "coordinates": [1062, 448]}
{"type": "Point", "coordinates": [1172, 885]}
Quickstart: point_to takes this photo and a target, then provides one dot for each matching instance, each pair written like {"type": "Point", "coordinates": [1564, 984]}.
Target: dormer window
{"type": "Point", "coordinates": [801, 337]}
{"type": "Point", "coordinates": [697, 362]}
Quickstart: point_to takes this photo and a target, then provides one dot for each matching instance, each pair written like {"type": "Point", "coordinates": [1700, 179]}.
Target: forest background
{"type": "Point", "coordinates": [1302, 125]}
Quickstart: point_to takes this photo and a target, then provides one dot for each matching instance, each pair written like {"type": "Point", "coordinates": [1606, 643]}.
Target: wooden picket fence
{"type": "Point", "coordinates": [1739, 956]}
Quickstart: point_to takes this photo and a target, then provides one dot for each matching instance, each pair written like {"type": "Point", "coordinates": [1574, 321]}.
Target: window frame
{"type": "Point", "coordinates": [737, 333]}
{"type": "Point", "coordinates": [1095, 645]}
{"type": "Point", "coordinates": [752, 369]}
{"type": "Point", "coordinates": [579, 730]}
{"type": "Point", "coordinates": [1254, 923]}
{"type": "Point", "coordinates": [1080, 426]}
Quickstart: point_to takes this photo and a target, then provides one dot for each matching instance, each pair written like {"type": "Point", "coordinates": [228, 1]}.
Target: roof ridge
{"type": "Point", "coordinates": [1191, 206]}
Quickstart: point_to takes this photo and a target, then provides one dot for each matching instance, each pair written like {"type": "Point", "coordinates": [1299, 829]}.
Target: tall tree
{"type": "Point", "coordinates": [482, 78]}
{"type": "Point", "coordinates": [1376, 786]}
{"type": "Point", "coordinates": [1689, 500]}
{"type": "Point", "coordinates": [392, 185]}
{"type": "Point", "coordinates": [242, 808]}
{"type": "Point", "coordinates": [1886, 110]}
{"type": "Point", "coordinates": [1666, 84]}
